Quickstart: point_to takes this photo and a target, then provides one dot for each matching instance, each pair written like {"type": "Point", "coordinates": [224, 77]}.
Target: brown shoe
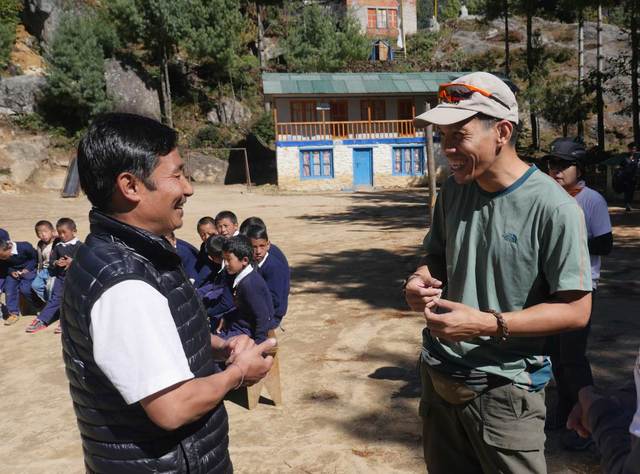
{"type": "Point", "coordinates": [11, 319]}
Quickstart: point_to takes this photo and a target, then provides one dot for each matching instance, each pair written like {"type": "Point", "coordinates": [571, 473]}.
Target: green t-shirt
{"type": "Point", "coordinates": [505, 251]}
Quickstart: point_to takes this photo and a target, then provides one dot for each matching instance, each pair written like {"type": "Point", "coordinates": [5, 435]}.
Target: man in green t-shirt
{"type": "Point", "coordinates": [506, 264]}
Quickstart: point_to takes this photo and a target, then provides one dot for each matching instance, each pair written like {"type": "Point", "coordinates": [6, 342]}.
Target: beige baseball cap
{"type": "Point", "coordinates": [502, 104]}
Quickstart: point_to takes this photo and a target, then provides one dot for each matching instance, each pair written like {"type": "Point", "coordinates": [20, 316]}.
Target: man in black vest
{"type": "Point", "coordinates": [139, 356]}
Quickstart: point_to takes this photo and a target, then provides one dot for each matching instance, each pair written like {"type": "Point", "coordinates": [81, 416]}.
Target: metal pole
{"type": "Point", "coordinates": [246, 169]}
{"type": "Point", "coordinates": [431, 167]}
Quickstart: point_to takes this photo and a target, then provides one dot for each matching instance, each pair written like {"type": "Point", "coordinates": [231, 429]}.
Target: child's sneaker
{"type": "Point", "coordinates": [36, 326]}
{"type": "Point", "coordinates": [11, 319]}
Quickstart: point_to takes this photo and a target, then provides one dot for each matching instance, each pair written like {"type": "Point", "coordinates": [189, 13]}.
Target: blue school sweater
{"type": "Point", "coordinates": [205, 267]}
{"type": "Point", "coordinates": [217, 296]}
{"type": "Point", "coordinates": [279, 254]}
{"type": "Point", "coordinates": [26, 258]}
{"type": "Point", "coordinates": [188, 254]}
{"type": "Point", "coordinates": [58, 251]}
{"type": "Point", "coordinates": [254, 309]}
{"type": "Point", "coordinates": [277, 275]}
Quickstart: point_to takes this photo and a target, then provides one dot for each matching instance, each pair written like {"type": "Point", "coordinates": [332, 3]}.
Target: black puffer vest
{"type": "Point", "coordinates": [116, 437]}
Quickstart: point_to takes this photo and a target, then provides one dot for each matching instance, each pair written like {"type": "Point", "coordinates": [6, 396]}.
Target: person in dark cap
{"type": "Point", "coordinates": [505, 266]}
{"type": "Point", "coordinates": [571, 369]}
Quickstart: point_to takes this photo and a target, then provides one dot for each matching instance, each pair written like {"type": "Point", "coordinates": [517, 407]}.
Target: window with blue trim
{"type": "Point", "coordinates": [408, 161]}
{"type": "Point", "coordinates": [316, 164]}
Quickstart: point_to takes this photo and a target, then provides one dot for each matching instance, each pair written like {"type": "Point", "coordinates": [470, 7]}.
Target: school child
{"type": "Point", "coordinates": [227, 224]}
{"type": "Point", "coordinates": [274, 250]}
{"type": "Point", "coordinates": [216, 292]}
{"type": "Point", "coordinates": [47, 238]}
{"type": "Point", "coordinates": [59, 260]}
{"type": "Point", "coordinates": [274, 271]}
{"type": "Point", "coordinates": [17, 264]}
{"type": "Point", "coordinates": [206, 228]}
{"type": "Point", "coordinates": [187, 253]}
{"type": "Point", "coordinates": [254, 308]}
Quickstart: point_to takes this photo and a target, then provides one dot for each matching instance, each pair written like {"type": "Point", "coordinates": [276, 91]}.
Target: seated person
{"type": "Point", "coordinates": [216, 291]}
{"type": "Point", "coordinates": [206, 228]}
{"type": "Point", "coordinates": [227, 224]}
{"type": "Point", "coordinates": [274, 271]}
{"type": "Point", "coordinates": [254, 309]}
{"type": "Point", "coordinates": [59, 260]}
{"type": "Point", "coordinates": [17, 264]}
{"type": "Point", "coordinates": [274, 250]}
{"type": "Point", "coordinates": [187, 253]}
{"type": "Point", "coordinates": [47, 238]}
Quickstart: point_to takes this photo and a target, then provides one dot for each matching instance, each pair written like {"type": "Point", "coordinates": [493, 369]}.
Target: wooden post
{"type": "Point", "coordinates": [275, 119]}
{"type": "Point", "coordinates": [369, 117]}
{"type": "Point", "coordinates": [246, 169]}
{"type": "Point", "coordinates": [431, 167]}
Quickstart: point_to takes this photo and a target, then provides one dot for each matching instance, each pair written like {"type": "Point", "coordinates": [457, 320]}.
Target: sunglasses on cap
{"type": "Point", "coordinates": [454, 92]}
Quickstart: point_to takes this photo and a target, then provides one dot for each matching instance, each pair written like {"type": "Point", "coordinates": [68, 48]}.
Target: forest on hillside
{"type": "Point", "coordinates": [199, 53]}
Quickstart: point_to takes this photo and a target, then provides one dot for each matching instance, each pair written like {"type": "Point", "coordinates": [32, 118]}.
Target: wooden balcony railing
{"type": "Point", "coordinates": [303, 131]}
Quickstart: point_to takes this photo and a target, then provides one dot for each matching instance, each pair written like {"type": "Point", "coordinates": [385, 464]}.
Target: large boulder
{"type": "Point", "coordinates": [19, 94]}
{"type": "Point", "coordinates": [205, 168]}
{"type": "Point", "coordinates": [129, 92]}
{"type": "Point", "coordinates": [20, 158]}
{"type": "Point", "coordinates": [229, 111]}
{"type": "Point", "coordinates": [42, 17]}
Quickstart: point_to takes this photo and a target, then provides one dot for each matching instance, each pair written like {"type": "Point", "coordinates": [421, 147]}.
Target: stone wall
{"type": "Point", "coordinates": [288, 162]}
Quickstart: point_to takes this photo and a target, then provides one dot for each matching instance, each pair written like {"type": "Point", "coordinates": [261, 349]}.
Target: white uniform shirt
{"type": "Point", "coordinates": [135, 340]}
{"type": "Point", "coordinates": [634, 429]}
{"type": "Point", "coordinates": [596, 215]}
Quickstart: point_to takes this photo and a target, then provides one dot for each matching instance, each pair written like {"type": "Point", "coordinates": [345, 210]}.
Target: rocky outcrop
{"type": "Point", "coordinates": [19, 94]}
{"type": "Point", "coordinates": [20, 158]}
{"type": "Point", "coordinates": [205, 168]}
{"type": "Point", "coordinates": [229, 111]}
{"type": "Point", "coordinates": [129, 92]}
{"type": "Point", "coordinates": [42, 17]}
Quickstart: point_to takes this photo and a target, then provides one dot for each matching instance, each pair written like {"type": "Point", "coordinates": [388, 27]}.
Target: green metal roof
{"type": "Point", "coordinates": [355, 83]}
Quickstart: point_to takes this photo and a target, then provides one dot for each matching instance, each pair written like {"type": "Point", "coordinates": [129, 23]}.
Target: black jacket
{"type": "Point", "coordinates": [116, 437]}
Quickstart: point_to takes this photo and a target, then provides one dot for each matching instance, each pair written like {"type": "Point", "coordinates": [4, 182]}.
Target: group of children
{"type": "Point", "coordinates": [37, 274]}
{"type": "Point", "coordinates": [242, 278]}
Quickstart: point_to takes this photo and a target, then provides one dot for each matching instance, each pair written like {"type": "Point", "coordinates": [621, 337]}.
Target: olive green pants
{"type": "Point", "coordinates": [500, 431]}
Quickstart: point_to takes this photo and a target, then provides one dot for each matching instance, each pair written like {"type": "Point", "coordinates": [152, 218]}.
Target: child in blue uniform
{"type": "Point", "coordinates": [17, 265]}
{"type": "Point", "coordinates": [254, 308]}
{"type": "Point", "coordinates": [188, 254]}
{"type": "Point", "coordinates": [274, 250]}
{"type": "Point", "coordinates": [206, 228]}
{"type": "Point", "coordinates": [273, 270]}
{"type": "Point", "coordinates": [216, 292]}
{"type": "Point", "coordinates": [59, 260]}
{"type": "Point", "coordinates": [227, 224]}
{"type": "Point", "coordinates": [47, 239]}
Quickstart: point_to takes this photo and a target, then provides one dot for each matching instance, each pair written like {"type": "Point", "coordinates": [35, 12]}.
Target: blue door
{"type": "Point", "coordinates": [362, 167]}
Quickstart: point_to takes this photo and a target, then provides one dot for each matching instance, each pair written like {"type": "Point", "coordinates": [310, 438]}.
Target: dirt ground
{"type": "Point", "coordinates": [349, 348]}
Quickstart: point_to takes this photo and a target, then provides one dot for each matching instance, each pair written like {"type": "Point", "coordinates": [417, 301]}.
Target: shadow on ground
{"type": "Point", "coordinates": [387, 210]}
{"type": "Point", "coordinates": [373, 276]}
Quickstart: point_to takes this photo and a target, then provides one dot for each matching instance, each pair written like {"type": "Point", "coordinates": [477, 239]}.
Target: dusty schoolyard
{"type": "Point", "coordinates": [349, 348]}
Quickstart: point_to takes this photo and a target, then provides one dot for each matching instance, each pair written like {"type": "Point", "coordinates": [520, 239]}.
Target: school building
{"type": "Point", "coordinates": [350, 130]}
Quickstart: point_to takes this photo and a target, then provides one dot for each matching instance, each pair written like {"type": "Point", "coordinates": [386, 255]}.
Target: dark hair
{"type": "Point", "coordinates": [205, 220]}
{"type": "Point", "coordinates": [214, 245]}
{"type": "Point", "coordinates": [226, 215]}
{"type": "Point", "coordinates": [256, 232]}
{"type": "Point", "coordinates": [5, 244]}
{"type": "Point", "coordinates": [489, 122]}
{"type": "Point", "coordinates": [240, 246]}
{"type": "Point", "coordinates": [66, 222]}
{"type": "Point", "coordinates": [42, 224]}
{"type": "Point", "coordinates": [118, 143]}
{"type": "Point", "coordinates": [631, 145]}
{"type": "Point", "coordinates": [252, 221]}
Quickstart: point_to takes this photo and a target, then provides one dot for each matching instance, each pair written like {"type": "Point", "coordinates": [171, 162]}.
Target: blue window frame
{"type": "Point", "coordinates": [316, 164]}
{"type": "Point", "coordinates": [408, 161]}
